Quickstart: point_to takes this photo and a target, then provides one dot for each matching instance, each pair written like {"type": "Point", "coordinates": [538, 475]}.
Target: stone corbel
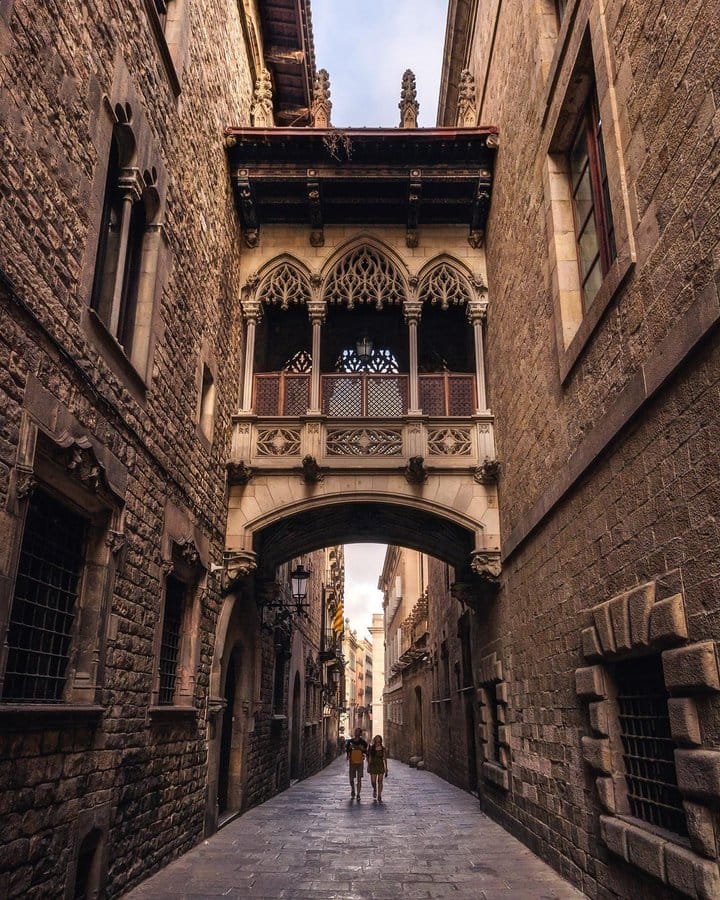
{"type": "Point", "coordinates": [487, 568]}
{"type": "Point", "coordinates": [248, 210]}
{"type": "Point", "coordinates": [238, 473]}
{"type": "Point", "coordinates": [415, 471]}
{"type": "Point", "coordinates": [187, 551]}
{"type": "Point", "coordinates": [311, 471]}
{"type": "Point", "coordinates": [237, 564]}
{"type": "Point", "coordinates": [25, 482]}
{"type": "Point", "coordinates": [487, 472]}
{"type": "Point", "coordinates": [117, 543]}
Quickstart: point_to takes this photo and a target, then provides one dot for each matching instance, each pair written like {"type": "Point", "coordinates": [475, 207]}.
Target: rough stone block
{"type": "Point", "coordinates": [667, 621]}
{"type": "Point", "coordinates": [620, 622]}
{"type": "Point", "coordinates": [606, 793]}
{"type": "Point", "coordinates": [680, 869]}
{"type": "Point", "coordinates": [596, 753]}
{"type": "Point", "coordinates": [640, 604]}
{"type": "Point", "coordinates": [698, 774]}
{"type": "Point", "coordinates": [707, 879]}
{"type": "Point", "coordinates": [701, 829]}
{"type": "Point", "coordinates": [684, 722]}
{"type": "Point", "coordinates": [603, 623]}
{"type": "Point", "coordinates": [692, 668]}
{"type": "Point", "coordinates": [647, 851]}
{"type": "Point", "coordinates": [600, 717]}
{"type": "Point", "coordinates": [502, 692]}
{"type": "Point", "coordinates": [591, 643]}
{"type": "Point", "coordinates": [613, 832]}
{"type": "Point", "coordinates": [590, 682]}
{"type": "Point", "coordinates": [503, 734]}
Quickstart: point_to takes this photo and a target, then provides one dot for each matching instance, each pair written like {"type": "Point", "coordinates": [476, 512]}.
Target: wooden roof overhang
{"type": "Point", "coordinates": [363, 176]}
{"type": "Point", "coordinates": [290, 56]}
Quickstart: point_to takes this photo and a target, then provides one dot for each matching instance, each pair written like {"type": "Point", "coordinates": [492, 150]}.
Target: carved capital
{"type": "Point", "coordinates": [252, 309]}
{"type": "Point", "coordinates": [130, 182]}
{"type": "Point", "coordinates": [317, 310]}
{"type": "Point", "coordinates": [477, 311]}
{"type": "Point", "coordinates": [412, 310]}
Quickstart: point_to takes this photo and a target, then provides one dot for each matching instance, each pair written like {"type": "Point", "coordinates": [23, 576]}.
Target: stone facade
{"type": "Point", "coordinates": [606, 431]}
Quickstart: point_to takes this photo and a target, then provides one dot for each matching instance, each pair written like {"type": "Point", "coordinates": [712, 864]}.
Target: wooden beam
{"type": "Point", "coordinates": [248, 210]}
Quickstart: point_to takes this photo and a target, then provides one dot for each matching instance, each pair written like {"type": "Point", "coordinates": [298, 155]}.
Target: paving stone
{"type": "Point", "coordinates": [427, 839]}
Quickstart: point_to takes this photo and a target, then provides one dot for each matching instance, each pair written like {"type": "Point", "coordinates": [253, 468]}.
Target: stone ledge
{"type": "Point", "coordinates": [161, 714]}
{"type": "Point", "coordinates": [670, 863]}
{"type": "Point", "coordinates": [40, 716]}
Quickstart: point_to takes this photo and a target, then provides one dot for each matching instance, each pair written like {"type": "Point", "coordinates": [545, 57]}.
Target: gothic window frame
{"type": "Point", "coordinates": [582, 67]}
{"type": "Point", "coordinates": [73, 470]}
{"type": "Point", "coordinates": [168, 23]}
{"type": "Point", "coordinates": [444, 284]}
{"type": "Point", "coordinates": [284, 285]}
{"type": "Point", "coordinates": [650, 620]}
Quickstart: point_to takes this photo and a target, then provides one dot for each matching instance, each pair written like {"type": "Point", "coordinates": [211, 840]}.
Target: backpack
{"type": "Point", "coordinates": [356, 754]}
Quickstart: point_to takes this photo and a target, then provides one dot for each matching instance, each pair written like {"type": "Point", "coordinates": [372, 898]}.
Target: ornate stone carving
{"type": "Point", "coordinates": [415, 471]}
{"type": "Point", "coordinates": [116, 541]}
{"type": "Point", "coordinates": [262, 105]}
{"type": "Point", "coordinates": [476, 238]}
{"type": "Point", "coordinates": [321, 105]}
{"type": "Point", "coordinates": [408, 105]}
{"type": "Point", "coordinates": [187, 551]}
{"type": "Point", "coordinates": [311, 471]}
{"type": "Point", "coordinates": [443, 284]}
{"type": "Point", "coordinates": [492, 141]}
{"type": "Point", "coordinates": [237, 564]}
{"type": "Point", "coordinates": [82, 463]}
{"type": "Point", "coordinates": [283, 286]}
{"type": "Point", "coordinates": [487, 566]}
{"type": "Point", "coordinates": [364, 276]}
{"type": "Point", "coordinates": [26, 483]}
{"type": "Point", "coordinates": [364, 442]}
{"type": "Point", "coordinates": [477, 311]}
{"type": "Point", "coordinates": [467, 114]}
{"type": "Point", "coordinates": [450, 441]}
{"type": "Point", "coordinates": [238, 472]}
{"type": "Point", "coordinates": [488, 471]}
{"type": "Point", "coordinates": [278, 442]}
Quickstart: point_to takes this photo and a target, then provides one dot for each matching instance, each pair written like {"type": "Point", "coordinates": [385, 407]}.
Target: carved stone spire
{"type": "Point", "coordinates": [408, 101]}
{"type": "Point", "coordinates": [466, 112]}
{"type": "Point", "coordinates": [262, 105]}
{"type": "Point", "coordinates": [321, 105]}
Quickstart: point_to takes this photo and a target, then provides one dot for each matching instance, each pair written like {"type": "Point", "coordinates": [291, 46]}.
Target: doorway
{"type": "Point", "coordinates": [230, 745]}
{"type": "Point", "coordinates": [419, 744]}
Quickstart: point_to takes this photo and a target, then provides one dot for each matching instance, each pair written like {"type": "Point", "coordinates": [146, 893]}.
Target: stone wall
{"type": "Point", "coordinates": [138, 779]}
{"type": "Point", "coordinates": [607, 433]}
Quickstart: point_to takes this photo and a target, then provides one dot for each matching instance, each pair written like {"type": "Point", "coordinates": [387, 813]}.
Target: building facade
{"type": "Point", "coordinates": [377, 639]}
{"type": "Point", "coordinates": [597, 662]}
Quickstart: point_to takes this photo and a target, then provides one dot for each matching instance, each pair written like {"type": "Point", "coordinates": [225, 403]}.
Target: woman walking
{"type": "Point", "coordinates": [377, 765]}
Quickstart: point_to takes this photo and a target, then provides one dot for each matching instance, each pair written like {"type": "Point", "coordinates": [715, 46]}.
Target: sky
{"type": "Point", "coordinates": [366, 45]}
{"type": "Point", "coordinates": [363, 565]}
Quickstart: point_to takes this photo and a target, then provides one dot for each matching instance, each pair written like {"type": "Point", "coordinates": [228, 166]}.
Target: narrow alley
{"type": "Point", "coordinates": [426, 839]}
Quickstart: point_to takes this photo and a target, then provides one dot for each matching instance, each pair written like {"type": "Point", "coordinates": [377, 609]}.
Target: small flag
{"type": "Point", "coordinates": [338, 623]}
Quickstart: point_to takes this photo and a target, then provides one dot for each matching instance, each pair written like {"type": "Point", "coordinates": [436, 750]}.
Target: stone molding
{"type": "Point", "coordinates": [490, 672]}
{"type": "Point", "coordinates": [638, 622]}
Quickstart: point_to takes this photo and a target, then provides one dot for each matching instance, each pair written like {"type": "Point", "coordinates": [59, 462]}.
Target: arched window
{"type": "Point", "coordinates": [364, 275]}
{"type": "Point", "coordinates": [445, 286]}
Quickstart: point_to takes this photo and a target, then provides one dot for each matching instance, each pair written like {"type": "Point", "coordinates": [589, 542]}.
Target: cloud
{"type": "Point", "coordinates": [363, 565]}
{"type": "Point", "coordinates": [366, 47]}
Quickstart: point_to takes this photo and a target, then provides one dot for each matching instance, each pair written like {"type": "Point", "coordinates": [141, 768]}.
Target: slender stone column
{"type": "Point", "coordinates": [412, 309]}
{"type": "Point", "coordinates": [130, 183]}
{"type": "Point", "coordinates": [316, 310]}
{"type": "Point", "coordinates": [477, 313]}
{"type": "Point", "coordinates": [252, 311]}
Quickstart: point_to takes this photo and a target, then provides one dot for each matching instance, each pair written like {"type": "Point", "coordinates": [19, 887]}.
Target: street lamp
{"type": "Point", "coordinates": [298, 586]}
{"type": "Point", "coordinates": [364, 347]}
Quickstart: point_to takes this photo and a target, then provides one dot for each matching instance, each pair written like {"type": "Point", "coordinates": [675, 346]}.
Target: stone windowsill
{"type": "Point", "coordinates": [276, 717]}
{"type": "Point", "coordinates": [115, 356]}
{"type": "Point", "coordinates": [170, 713]}
{"type": "Point", "coordinates": [442, 700]}
{"type": "Point", "coordinates": [34, 716]}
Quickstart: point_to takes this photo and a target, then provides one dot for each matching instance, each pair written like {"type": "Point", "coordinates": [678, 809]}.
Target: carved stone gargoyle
{"type": "Point", "coordinates": [415, 471]}
{"type": "Point", "coordinates": [311, 471]}
{"type": "Point", "coordinates": [238, 472]}
{"type": "Point", "coordinates": [488, 471]}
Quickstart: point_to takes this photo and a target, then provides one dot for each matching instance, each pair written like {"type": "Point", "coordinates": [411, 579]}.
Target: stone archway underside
{"type": "Point", "coordinates": [369, 522]}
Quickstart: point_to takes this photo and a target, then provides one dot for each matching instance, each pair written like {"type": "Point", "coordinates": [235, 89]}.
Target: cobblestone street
{"type": "Point", "coordinates": [426, 839]}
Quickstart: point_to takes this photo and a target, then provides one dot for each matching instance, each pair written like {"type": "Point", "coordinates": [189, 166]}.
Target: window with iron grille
{"type": "Point", "coordinates": [170, 640]}
{"type": "Point", "coordinates": [493, 722]}
{"type": "Point", "coordinates": [648, 748]}
{"type": "Point", "coordinates": [43, 610]}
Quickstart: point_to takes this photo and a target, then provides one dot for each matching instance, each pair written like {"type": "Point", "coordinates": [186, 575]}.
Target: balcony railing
{"type": "Point", "coordinates": [348, 395]}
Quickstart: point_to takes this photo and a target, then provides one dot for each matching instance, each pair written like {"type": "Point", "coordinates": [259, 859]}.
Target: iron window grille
{"type": "Point", "coordinates": [494, 722]}
{"type": "Point", "coordinates": [170, 640]}
{"type": "Point", "coordinates": [594, 229]}
{"type": "Point", "coordinates": [47, 588]}
{"type": "Point", "coordinates": [648, 748]}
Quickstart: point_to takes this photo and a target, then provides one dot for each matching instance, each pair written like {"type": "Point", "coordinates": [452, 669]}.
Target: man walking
{"type": "Point", "coordinates": [356, 750]}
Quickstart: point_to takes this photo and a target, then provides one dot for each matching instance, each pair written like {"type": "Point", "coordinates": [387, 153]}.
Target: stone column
{"type": "Point", "coordinates": [412, 309]}
{"type": "Point", "coordinates": [252, 311]}
{"type": "Point", "coordinates": [316, 311]}
{"type": "Point", "coordinates": [131, 185]}
{"type": "Point", "coordinates": [477, 313]}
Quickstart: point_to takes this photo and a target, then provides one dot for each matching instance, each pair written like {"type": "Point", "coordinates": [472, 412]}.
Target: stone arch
{"type": "Point", "coordinates": [284, 281]}
{"type": "Point", "coordinates": [362, 271]}
{"type": "Point", "coordinates": [446, 281]}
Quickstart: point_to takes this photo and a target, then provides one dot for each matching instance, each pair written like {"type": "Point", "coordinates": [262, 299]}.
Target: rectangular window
{"type": "Point", "coordinates": [648, 748]}
{"type": "Point", "coordinates": [207, 403]}
{"type": "Point", "coordinates": [44, 603]}
{"type": "Point", "coordinates": [594, 230]}
{"type": "Point", "coordinates": [170, 641]}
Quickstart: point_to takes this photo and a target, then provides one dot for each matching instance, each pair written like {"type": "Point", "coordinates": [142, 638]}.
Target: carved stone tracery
{"type": "Point", "coordinates": [262, 105]}
{"type": "Point", "coordinates": [278, 442]}
{"type": "Point", "coordinates": [364, 442]}
{"type": "Point", "coordinates": [408, 105]}
{"type": "Point", "coordinates": [364, 276]}
{"type": "Point", "coordinates": [283, 286]}
{"type": "Point", "coordinates": [321, 105]}
{"type": "Point", "coordinates": [450, 441]}
{"type": "Point", "coordinates": [446, 286]}
{"type": "Point", "coordinates": [467, 114]}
